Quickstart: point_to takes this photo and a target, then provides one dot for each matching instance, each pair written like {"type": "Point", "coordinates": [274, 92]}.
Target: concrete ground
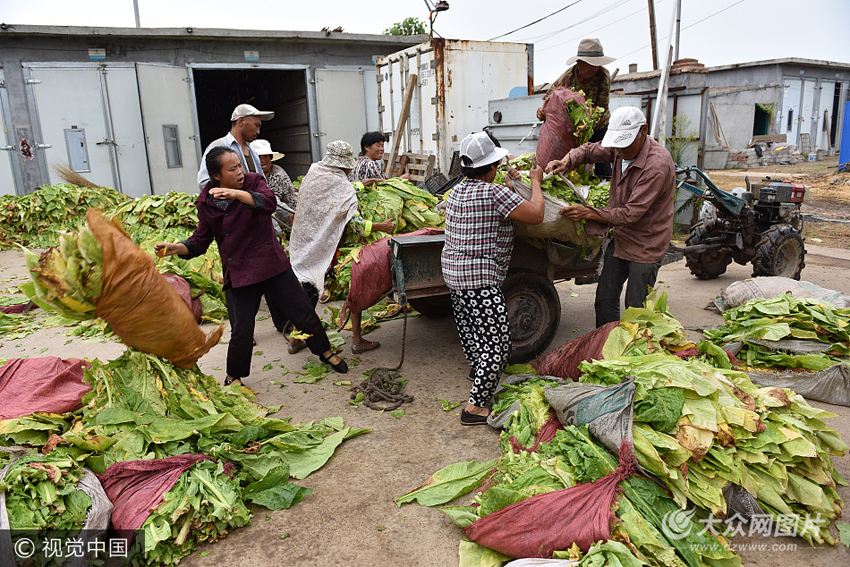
{"type": "Point", "coordinates": [350, 519]}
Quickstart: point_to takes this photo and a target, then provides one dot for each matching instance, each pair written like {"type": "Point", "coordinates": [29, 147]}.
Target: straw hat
{"type": "Point", "coordinates": [339, 155]}
{"type": "Point", "coordinates": [264, 148]}
{"type": "Point", "coordinates": [590, 51]}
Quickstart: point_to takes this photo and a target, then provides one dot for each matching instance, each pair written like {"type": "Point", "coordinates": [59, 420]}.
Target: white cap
{"type": "Point", "coordinates": [244, 110]}
{"type": "Point", "coordinates": [479, 148]}
{"type": "Point", "coordinates": [623, 127]}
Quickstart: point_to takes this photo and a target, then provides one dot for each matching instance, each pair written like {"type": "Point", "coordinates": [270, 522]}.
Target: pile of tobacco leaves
{"type": "Point", "coordinates": [142, 407]}
{"type": "Point", "coordinates": [764, 327]}
{"type": "Point", "coordinates": [35, 220]}
{"type": "Point", "coordinates": [393, 199]}
{"type": "Point", "coordinates": [555, 186]}
{"type": "Point", "coordinates": [698, 426]}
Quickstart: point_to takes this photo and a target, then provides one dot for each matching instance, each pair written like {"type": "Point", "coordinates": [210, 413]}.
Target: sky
{"type": "Point", "coordinates": [715, 32]}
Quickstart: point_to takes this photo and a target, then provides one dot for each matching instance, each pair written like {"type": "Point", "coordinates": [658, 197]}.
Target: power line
{"type": "Point", "coordinates": [535, 21]}
{"type": "Point", "coordinates": [586, 34]}
{"type": "Point", "coordinates": [601, 12]}
{"type": "Point", "coordinates": [686, 27]}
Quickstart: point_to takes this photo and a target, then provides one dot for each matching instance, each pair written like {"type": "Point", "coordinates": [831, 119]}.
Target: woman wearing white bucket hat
{"type": "Point", "coordinates": [475, 259]}
{"type": "Point", "coordinates": [327, 206]}
{"type": "Point", "coordinates": [278, 181]}
{"type": "Point", "coordinates": [589, 76]}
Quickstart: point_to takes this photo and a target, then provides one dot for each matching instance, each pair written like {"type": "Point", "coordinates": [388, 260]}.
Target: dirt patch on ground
{"type": "Point", "coordinates": [827, 205]}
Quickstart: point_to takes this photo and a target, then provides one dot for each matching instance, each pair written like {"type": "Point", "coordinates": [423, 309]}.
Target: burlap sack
{"type": "Point", "coordinates": [140, 305]}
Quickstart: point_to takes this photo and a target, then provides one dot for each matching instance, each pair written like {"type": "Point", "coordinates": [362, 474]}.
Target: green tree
{"type": "Point", "coordinates": [410, 26]}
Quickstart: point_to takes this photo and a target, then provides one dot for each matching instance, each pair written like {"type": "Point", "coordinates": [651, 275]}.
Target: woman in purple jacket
{"type": "Point", "coordinates": [234, 209]}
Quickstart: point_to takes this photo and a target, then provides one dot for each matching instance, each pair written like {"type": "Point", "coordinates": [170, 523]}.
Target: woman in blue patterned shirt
{"type": "Point", "coordinates": [475, 259]}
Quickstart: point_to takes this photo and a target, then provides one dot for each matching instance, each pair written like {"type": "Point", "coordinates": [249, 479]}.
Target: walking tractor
{"type": "Point", "coordinates": [761, 224]}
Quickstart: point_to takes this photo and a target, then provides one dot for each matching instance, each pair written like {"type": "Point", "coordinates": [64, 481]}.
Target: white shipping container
{"type": "Point", "coordinates": [456, 81]}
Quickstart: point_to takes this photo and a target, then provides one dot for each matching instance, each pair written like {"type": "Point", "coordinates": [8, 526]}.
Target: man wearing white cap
{"type": "Point", "coordinates": [244, 129]}
{"type": "Point", "coordinates": [640, 209]}
{"type": "Point", "coordinates": [475, 260]}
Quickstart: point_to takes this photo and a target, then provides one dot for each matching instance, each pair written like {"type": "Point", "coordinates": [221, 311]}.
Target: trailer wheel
{"type": "Point", "coordinates": [781, 252]}
{"type": "Point", "coordinates": [433, 307]}
{"type": "Point", "coordinates": [534, 311]}
{"type": "Point", "coordinates": [706, 264]}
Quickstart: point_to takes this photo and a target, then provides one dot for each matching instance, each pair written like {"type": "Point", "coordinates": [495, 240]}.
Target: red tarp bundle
{"type": "Point", "coordinates": [563, 362]}
{"type": "Point", "coordinates": [556, 134]}
{"type": "Point", "coordinates": [15, 309]}
{"type": "Point", "coordinates": [181, 286]}
{"type": "Point", "coordinates": [371, 277]}
{"type": "Point", "coordinates": [543, 524]}
{"type": "Point", "coordinates": [48, 384]}
{"type": "Point", "coordinates": [135, 488]}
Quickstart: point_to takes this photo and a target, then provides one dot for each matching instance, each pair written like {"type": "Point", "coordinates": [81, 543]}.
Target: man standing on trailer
{"type": "Point", "coordinates": [639, 210]}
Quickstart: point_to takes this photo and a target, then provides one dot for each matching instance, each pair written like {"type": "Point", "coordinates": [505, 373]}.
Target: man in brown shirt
{"type": "Point", "coordinates": [640, 209]}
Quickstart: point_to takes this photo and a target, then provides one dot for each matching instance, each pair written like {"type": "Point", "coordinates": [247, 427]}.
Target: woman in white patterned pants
{"type": "Point", "coordinates": [475, 260]}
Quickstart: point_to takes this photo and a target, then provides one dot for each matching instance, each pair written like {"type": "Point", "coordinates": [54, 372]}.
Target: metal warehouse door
{"type": "Point", "coordinates": [167, 114]}
{"type": "Point", "coordinates": [341, 105]}
{"type": "Point", "coordinates": [7, 145]}
{"type": "Point", "coordinates": [90, 117]}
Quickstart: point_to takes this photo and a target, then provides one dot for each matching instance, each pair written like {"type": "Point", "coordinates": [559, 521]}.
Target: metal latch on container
{"type": "Point", "coordinates": [435, 136]}
{"type": "Point", "coordinates": [434, 100]}
{"type": "Point", "coordinates": [317, 134]}
{"type": "Point", "coordinates": [43, 146]}
{"type": "Point", "coordinates": [32, 81]}
{"type": "Point", "coordinates": [8, 148]}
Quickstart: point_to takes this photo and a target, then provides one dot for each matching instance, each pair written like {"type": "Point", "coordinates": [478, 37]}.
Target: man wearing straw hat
{"type": "Point", "coordinates": [589, 76]}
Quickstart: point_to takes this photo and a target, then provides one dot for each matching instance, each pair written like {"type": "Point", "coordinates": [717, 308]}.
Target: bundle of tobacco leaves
{"type": "Point", "coordinates": [205, 504]}
{"type": "Point", "coordinates": [393, 199]}
{"type": "Point", "coordinates": [699, 425]}
{"type": "Point", "coordinates": [765, 325]}
{"type": "Point", "coordinates": [67, 278]}
{"type": "Point", "coordinates": [572, 457]}
{"type": "Point", "coordinates": [41, 493]}
{"type": "Point", "coordinates": [142, 407]}
{"type": "Point", "coordinates": [555, 186]}
{"type": "Point", "coordinates": [36, 220]}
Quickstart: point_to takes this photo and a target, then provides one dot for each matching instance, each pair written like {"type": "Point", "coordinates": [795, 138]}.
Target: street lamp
{"type": "Point", "coordinates": [433, 10]}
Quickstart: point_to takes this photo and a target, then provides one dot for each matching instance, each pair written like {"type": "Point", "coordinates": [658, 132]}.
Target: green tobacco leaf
{"type": "Point", "coordinates": [843, 533]}
{"type": "Point", "coordinates": [306, 462]}
{"type": "Point", "coordinates": [449, 483]}
{"type": "Point", "coordinates": [275, 492]}
{"type": "Point", "coordinates": [476, 555]}
{"type": "Point", "coordinates": [660, 408]}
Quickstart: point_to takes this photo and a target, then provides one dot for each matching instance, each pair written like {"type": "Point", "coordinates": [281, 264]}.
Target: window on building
{"type": "Point", "coordinates": [172, 145]}
{"type": "Point", "coordinates": [790, 120]}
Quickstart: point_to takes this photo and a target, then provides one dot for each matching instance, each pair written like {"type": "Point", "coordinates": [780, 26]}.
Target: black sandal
{"type": "Point", "coordinates": [340, 366]}
{"type": "Point", "coordinates": [468, 419]}
{"type": "Point", "coordinates": [230, 380]}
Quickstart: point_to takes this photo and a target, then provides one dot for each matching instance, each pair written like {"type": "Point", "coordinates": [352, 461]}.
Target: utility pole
{"type": "Point", "coordinates": [678, 26]}
{"type": "Point", "coordinates": [652, 38]}
{"type": "Point", "coordinates": [136, 10]}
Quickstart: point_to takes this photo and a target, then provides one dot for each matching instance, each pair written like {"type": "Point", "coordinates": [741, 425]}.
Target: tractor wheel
{"type": "Point", "coordinates": [706, 264]}
{"type": "Point", "coordinates": [781, 252]}
{"type": "Point", "coordinates": [534, 310]}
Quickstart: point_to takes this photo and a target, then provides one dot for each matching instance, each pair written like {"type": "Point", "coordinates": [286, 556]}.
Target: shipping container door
{"type": "Point", "coordinates": [341, 107]}
{"type": "Point", "coordinates": [8, 146]}
{"type": "Point", "coordinates": [824, 115]}
{"type": "Point", "coordinates": [169, 130]}
{"type": "Point", "coordinates": [90, 119]}
{"type": "Point", "coordinates": [791, 109]}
